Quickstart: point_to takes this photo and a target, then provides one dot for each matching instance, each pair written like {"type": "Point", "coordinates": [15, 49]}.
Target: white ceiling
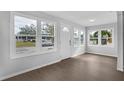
{"type": "Point", "coordinates": [83, 17]}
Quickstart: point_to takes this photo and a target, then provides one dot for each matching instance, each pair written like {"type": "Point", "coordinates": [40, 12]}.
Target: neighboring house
{"type": "Point", "coordinates": [20, 37]}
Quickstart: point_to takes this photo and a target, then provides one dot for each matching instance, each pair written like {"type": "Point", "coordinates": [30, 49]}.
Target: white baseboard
{"type": "Point", "coordinates": [27, 70]}
{"type": "Point", "coordinates": [102, 54]}
{"type": "Point", "coordinates": [120, 69]}
{"type": "Point", "coordinates": [78, 54]}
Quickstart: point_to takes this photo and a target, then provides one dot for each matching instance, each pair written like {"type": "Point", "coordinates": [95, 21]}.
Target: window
{"type": "Point", "coordinates": [93, 38]}
{"type": "Point", "coordinates": [106, 37]}
{"type": "Point", "coordinates": [76, 37]}
{"type": "Point", "coordinates": [48, 34]}
{"type": "Point", "coordinates": [82, 37]}
{"type": "Point", "coordinates": [31, 36]}
{"type": "Point", "coordinates": [101, 37]}
{"type": "Point", "coordinates": [25, 33]}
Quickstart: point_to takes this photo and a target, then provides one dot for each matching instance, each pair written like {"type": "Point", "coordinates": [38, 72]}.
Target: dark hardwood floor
{"type": "Point", "coordinates": [89, 67]}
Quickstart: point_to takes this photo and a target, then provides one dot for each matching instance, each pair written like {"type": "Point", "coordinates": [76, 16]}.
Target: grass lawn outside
{"type": "Point", "coordinates": [24, 44]}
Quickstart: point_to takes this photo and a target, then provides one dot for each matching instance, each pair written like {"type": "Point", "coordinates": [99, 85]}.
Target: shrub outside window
{"type": "Point", "coordinates": [106, 37]}
{"type": "Point", "coordinates": [93, 38]}
{"type": "Point", "coordinates": [103, 37]}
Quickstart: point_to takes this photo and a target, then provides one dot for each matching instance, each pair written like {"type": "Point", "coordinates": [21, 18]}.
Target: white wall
{"type": "Point", "coordinates": [110, 51]}
{"type": "Point", "coordinates": [10, 67]}
{"type": "Point", "coordinates": [120, 61]}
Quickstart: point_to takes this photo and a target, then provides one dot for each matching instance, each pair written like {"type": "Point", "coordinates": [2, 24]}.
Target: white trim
{"type": "Point", "coordinates": [88, 38]}
{"type": "Point", "coordinates": [120, 69]}
{"type": "Point", "coordinates": [78, 54]}
{"type": "Point", "coordinates": [32, 50]}
{"type": "Point", "coordinates": [79, 30]}
{"type": "Point", "coordinates": [99, 37]}
{"type": "Point", "coordinates": [27, 70]}
{"type": "Point", "coordinates": [101, 54]}
{"type": "Point", "coordinates": [120, 42]}
{"type": "Point", "coordinates": [38, 49]}
{"type": "Point", "coordinates": [55, 34]}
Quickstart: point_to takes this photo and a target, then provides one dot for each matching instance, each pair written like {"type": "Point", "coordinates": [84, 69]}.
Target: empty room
{"type": "Point", "coordinates": [61, 46]}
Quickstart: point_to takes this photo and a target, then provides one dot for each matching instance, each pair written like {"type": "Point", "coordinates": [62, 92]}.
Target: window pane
{"type": "Point", "coordinates": [76, 37]}
{"type": "Point", "coordinates": [94, 34]}
{"type": "Point", "coordinates": [93, 38]}
{"type": "Point", "coordinates": [47, 31]}
{"type": "Point", "coordinates": [106, 37]}
{"type": "Point", "coordinates": [25, 33]}
{"type": "Point", "coordinates": [94, 41]}
{"type": "Point", "coordinates": [82, 38]}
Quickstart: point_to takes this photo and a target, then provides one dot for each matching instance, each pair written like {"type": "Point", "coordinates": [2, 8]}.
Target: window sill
{"type": "Point", "coordinates": [94, 45]}
{"type": "Point", "coordinates": [105, 46]}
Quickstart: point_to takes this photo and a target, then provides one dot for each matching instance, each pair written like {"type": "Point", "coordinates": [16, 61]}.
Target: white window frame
{"type": "Point", "coordinates": [99, 37]}
{"type": "Point", "coordinates": [34, 51]}
{"type": "Point", "coordinates": [51, 48]}
{"type": "Point", "coordinates": [112, 45]}
{"type": "Point", "coordinates": [88, 35]}
{"type": "Point", "coordinates": [83, 37]}
{"type": "Point", "coordinates": [79, 36]}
